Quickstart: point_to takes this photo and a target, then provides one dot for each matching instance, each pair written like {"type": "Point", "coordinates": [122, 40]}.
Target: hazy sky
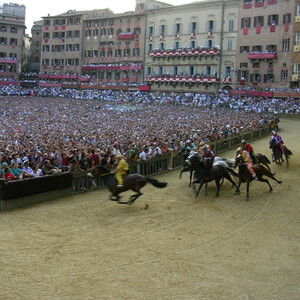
{"type": "Point", "coordinates": [36, 9]}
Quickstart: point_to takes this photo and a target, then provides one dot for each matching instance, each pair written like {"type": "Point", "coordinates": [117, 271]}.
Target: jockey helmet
{"type": "Point", "coordinates": [244, 142]}
{"type": "Point", "coordinates": [188, 141]}
{"type": "Point", "coordinates": [239, 149]}
{"type": "Point", "coordinates": [274, 132]}
{"type": "Point", "coordinates": [204, 148]}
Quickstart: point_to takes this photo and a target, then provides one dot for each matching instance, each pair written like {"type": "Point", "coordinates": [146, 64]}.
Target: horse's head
{"type": "Point", "coordinates": [98, 171]}
{"type": "Point", "coordinates": [238, 160]}
{"type": "Point", "coordinates": [272, 143]}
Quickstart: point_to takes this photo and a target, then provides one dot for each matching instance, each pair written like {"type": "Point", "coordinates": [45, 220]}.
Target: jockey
{"type": "Point", "coordinates": [247, 161]}
{"type": "Point", "coordinates": [121, 170]}
{"type": "Point", "coordinates": [246, 146]}
{"type": "Point", "coordinates": [278, 142]}
{"type": "Point", "coordinates": [209, 157]}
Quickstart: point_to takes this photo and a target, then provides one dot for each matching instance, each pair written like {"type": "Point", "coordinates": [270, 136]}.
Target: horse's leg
{"type": "Point", "coordinates": [267, 181]}
{"type": "Point", "coordinates": [115, 196]}
{"type": "Point", "coordinates": [191, 175]}
{"type": "Point", "coordinates": [199, 189]}
{"type": "Point", "coordinates": [206, 185]}
{"type": "Point", "coordinates": [247, 189]}
{"type": "Point", "coordinates": [228, 177]}
{"type": "Point", "coordinates": [237, 191]}
{"type": "Point", "coordinates": [132, 198]}
{"type": "Point", "coordinates": [218, 187]}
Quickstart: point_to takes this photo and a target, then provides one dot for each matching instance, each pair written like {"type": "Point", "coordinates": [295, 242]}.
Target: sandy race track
{"type": "Point", "coordinates": [180, 247]}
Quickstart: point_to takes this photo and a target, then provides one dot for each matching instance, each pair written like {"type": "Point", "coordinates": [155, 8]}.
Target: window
{"type": "Point", "coordinates": [271, 48]}
{"type": "Point", "coordinates": [297, 38]}
{"type": "Point", "coordinates": [231, 25]}
{"type": "Point", "coordinates": [255, 65]}
{"type": "Point", "coordinates": [244, 49]}
{"type": "Point", "coordinates": [257, 48]}
{"type": "Point", "coordinates": [243, 65]}
{"type": "Point", "coordinates": [284, 75]}
{"type": "Point", "coordinates": [162, 29]}
{"type": "Point", "coordinates": [246, 23]}
{"type": "Point", "coordinates": [298, 10]}
{"type": "Point", "coordinates": [286, 45]}
{"type": "Point", "coordinates": [258, 21]}
{"type": "Point", "coordinates": [151, 30]}
{"type": "Point", "coordinates": [210, 25]}
{"type": "Point", "coordinates": [161, 46]}
{"type": "Point", "coordinates": [272, 20]}
{"type": "Point", "coordinates": [194, 26]}
{"type": "Point", "coordinates": [229, 45]}
{"type": "Point", "coordinates": [177, 26]}
{"type": "Point", "coordinates": [286, 18]}
{"type": "Point", "coordinates": [268, 78]}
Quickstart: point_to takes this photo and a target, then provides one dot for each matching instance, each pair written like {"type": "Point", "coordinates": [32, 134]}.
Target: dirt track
{"type": "Point", "coordinates": [87, 247]}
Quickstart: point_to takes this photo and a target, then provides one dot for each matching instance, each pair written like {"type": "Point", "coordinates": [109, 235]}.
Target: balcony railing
{"type": "Point", "coordinates": [111, 68]}
{"type": "Point", "coordinates": [184, 52]}
{"type": "Point", "coordinates": [262, 55]}
{"type": "Point", "coordinates": [182, 79]}
{"type": "Point", "coordinates": [8, 60]}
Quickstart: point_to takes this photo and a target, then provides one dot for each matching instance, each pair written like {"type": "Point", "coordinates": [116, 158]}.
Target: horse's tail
{"type": "Point", "coordinates": [232, 172]}
{"type": "Point", "coordinates": [288, 151]}
{"type": "Point", "coordinates": [267, 160]}
{"type": "Point", "coordinates": [156, 183]}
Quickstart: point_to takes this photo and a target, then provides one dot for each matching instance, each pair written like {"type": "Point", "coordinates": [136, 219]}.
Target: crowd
{"type": "Point", "coordinates": [93, 127]}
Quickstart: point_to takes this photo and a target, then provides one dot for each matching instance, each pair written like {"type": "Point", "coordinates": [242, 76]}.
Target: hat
{"type": "Point", "coordinates": [120, 156]}
{"type": "Point", "coordinates": [26, 162]}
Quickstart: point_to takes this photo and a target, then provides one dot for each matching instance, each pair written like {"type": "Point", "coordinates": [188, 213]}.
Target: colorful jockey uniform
{"type": "Point", "coordinates": [247, 160]}
{"type": "Point", "coordinates": [209, 157]}
{"type": "Point", "coordinates": [249, 149]}
{"type": "Point", "coordinates": [121, 170]}
{"type": "Point", "coordinates": [278, 142]}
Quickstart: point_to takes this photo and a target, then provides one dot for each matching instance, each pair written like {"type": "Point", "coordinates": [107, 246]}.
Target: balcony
{"type": "Point", "coordinates": [227, 80]}
{"type": "Point", "coordinates": [126, 36]}
{"type": "Point", "coordinates": [181, 79]}
{"type": "Point", "coordinates": [112, 67]}
{"type": "Point", "coordinates": [8, 60]}
{"type": "Point", "coordinates": [184, 52]}
{"type": "Point", "coordinates": [262, 55]}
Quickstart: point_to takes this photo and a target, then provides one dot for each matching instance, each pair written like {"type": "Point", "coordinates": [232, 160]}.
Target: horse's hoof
{"type": "Point", "coordinates": [236, 193]}
{"type": "Point", "coordinates": [279, 181]}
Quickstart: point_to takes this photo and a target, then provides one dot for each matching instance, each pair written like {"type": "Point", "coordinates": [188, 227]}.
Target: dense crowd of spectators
{"type": "Point", "coordinates": [39, 134]}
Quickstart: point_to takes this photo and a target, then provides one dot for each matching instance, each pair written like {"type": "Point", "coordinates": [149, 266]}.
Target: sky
{"type": "Point", "coordinates": [36, 9]}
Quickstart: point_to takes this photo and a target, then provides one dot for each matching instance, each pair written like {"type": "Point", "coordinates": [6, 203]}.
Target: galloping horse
{"type": "Point", "coordinates": [190, 164]}
{"type": "Point", "coordinates": [132, 182]}
{"type": "Point", "coordinates": [263, 160]}
{"type": "Point", "coordinates": [278, 155]}
{"type": "Point", "coordinates": [217, 172]}
{"type": "Point", "coordinates": [245, 176]}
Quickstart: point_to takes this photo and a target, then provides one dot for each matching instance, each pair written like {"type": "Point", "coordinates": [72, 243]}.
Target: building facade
{"type": "Point", "coordinates": [12, 41]}
{"type": "Point", "coordinates": [264, 49]}
{"type": "Point", "coordinates": [295, 78]}
{"type": "Point", "coordinates": [191, 47]}
{"type": "Point", "coordinates": [113, 49]}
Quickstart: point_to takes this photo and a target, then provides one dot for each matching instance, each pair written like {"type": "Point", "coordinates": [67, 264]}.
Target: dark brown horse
{"type": "Point", "coordinates": [132, 182]}
{"type": "Point", "coordinates": [263, 160]}
{"type": "Point", "coordinates": [245, 176]}
{"type": "Point", "coordinates": [216, 173]}
{"type": "Point", "coordinates": [278, 154]}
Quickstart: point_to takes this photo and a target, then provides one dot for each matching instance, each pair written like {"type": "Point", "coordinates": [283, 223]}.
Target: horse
{"type": "Point", "coordinates": [278, 155]}
{"type": "Point", "coordinates": [263, 160]}
{"type": "Point", "coordinates": [245, 176]}
{"type": "Point", "coordinates": [193, 159]}
{"type": "Point", "coordinates": [217, 172]}
{"type": "Point", "coordinates": [132, 182]}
